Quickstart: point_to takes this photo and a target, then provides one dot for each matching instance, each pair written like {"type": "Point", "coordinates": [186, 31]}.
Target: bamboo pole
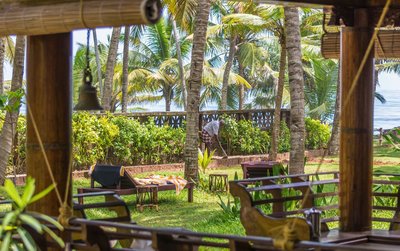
{"type": "Point", "coordinates": [49, 102]}
{"type": "Point", "coordinates": [356, 131]}
{"type": "Point", "coordinates": [49, 17]}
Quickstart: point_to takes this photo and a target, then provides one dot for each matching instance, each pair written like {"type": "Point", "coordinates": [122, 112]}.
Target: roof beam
{"type": "Point", "coordinates": [341, 3]}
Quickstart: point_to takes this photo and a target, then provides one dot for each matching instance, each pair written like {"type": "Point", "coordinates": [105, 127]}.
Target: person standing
{"type": "Point", "coordinates": [210, 131]}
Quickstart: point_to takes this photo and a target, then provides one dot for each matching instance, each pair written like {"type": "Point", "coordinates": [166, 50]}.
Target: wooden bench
{"type": "Point", "coordinates": [279, 191]}
{"type": "Point", "coordinates": [126, 184]}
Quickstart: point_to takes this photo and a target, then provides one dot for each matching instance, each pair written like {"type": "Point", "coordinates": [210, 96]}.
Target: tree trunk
{"type": "Point", "coordinates": [125, 73]}
{"type": "Point", "coordinates": [333, 148]}
{"type": "Point", "coordinates": [241, 88]}
{"type": "Point", "coordinates": [167, 97]}
{"type": "Point", "coordinates": [2, 56]}
{"type": "Point", "coordinates": [227, 71]}
{"type": "Point", "coordinates": [180, 63]}
{"type": "Point", "coordinates": [296, 83]}
{"type": "Point", "coordinates": [278, 103]}
{"type": "Point", "coordinates": [10, 121]}
{"type": "Point", "coordinates": [111, 59]}
{"type": "Point", "coordinates": [196, 72]}
{"type": "Point", "coordinates": [98, 64]}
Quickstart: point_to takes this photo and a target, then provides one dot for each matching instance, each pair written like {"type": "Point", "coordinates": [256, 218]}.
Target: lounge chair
{"type": "Point", "coordinates": [117, 179]}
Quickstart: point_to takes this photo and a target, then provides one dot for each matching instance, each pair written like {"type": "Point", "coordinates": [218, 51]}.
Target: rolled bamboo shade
{"type": "Point", "coordinates": [40, 17]}
{"type": "Point", "coordinates": [387, 45]}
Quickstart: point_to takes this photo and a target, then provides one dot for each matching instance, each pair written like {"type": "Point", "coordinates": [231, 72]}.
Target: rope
{"type": "Point", "coordinates": [44, 153]}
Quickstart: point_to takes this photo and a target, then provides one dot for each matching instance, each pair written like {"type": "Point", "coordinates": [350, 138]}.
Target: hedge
{"type": "Point", "coordinates": [125, 141]}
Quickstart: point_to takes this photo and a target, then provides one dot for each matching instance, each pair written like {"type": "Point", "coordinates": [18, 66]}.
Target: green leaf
{"type": "Point", "coordinates": [5, 244]}
{"type": "Point", "coordinates": [27, 239]}
{"type": "Point", "coordinates": [47, 218]}
{"type": "Point", "coordinates": [42, 193]}
{"type": "Point", "coordinates": [12, 192]}
{"type": "Point", "coordinates": [54, 236]}
{"type": "Point", "coordinates": [32, 222]}
{"type": "Point", "coordinates": [29, 190]}
{"type": "Point", "coordinates": [8, 221]}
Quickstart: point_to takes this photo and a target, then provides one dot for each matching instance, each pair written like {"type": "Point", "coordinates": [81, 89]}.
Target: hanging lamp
{"type": "Point", "coordinates": [87, 93]}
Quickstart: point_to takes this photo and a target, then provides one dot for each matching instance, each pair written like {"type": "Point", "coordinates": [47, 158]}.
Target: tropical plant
{"type": "Point", "coordinates": [231, 208]}
{"type": "Point", "coordinates": [392, 137]}
{"type": "Point", "coordinates": [205, 159]}
{"type": "Point", "coordinates": [320, 88]}
{"type": "Point", "coordinates": [23, 223]}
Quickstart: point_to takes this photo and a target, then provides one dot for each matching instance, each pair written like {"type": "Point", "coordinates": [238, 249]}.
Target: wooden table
{"type": "Point", "coordinates": [254, 169]}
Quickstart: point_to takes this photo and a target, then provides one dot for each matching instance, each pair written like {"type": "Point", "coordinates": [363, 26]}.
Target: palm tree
{"type": "Point", "coordinates": [296, 83]}
{"type": "Point", "coordinates": [156, 52]}
{"type": "Point", "coordinates": [98, 64]}
{"type": "Point", "coordinates": [196, 72]}
{"type": "Point", "coordinates": [109, 75]}
{"type": "Point", "coordinates": [7, 48]}
{"type": "Point", "coordinates": [125, 72]}
{"type": "Point", "coordinates": [320, 88]}
{"type": "Point", "coordinates": [11, 118]}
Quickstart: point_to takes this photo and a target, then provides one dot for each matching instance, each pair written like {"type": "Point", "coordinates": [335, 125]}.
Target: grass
{"type": "Point", "coordinates": [206, 215]}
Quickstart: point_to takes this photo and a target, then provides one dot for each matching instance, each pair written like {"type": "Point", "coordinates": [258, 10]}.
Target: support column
{"type": "Point", "coordinates": [356, 126]}
{"type": "Point", "coordinates": [49, 85]}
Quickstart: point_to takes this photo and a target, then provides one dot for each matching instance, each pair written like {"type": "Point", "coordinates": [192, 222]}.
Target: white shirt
{"type": "Point", "coordinates": [212, 128]}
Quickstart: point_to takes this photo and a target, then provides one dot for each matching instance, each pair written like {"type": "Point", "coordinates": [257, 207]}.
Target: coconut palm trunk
{"type": "Point", "coordinates": [227, 71]}
{"type": "Point", "coordinates": [333, 147]}
{"type": "Point", "coordinates": [9, 127]}
{"type": "Point", "coordinates": [168, 97]}
{"type": "Point", "coordinates": [296, 83]}
{"type": "Point", "coordinates": [180, 62]}
{"type": "Point", "coordinates": [111, 60]}
{"type": "Point", "coordinates": [98, 64]}
{"type": "Point", "coordinates": [241, 87]}
{"type": "Point", "coordinates": [125, 62]}
{"type": "Point", "coordinates": [278, 103]}
{"type": "Point", "coordinates": [196, 72]}
{"type": "Point", "coordinates": [2, 56]}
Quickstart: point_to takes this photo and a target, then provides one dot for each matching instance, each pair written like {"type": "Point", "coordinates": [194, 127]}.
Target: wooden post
{"type": "Point", "coordinates": [49, 101]}
{"type": "Point", "coordinates": [356, 126]}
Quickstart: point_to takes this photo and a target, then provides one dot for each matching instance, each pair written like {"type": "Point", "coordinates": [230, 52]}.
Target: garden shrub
{"type": "Point", "coordinates": [92, 136]}
{"type": "Point", "coordinates": [317, 134]}
{"type": "Point", "coordinates": [125, 141]}
{"type": "Point", "coordinates": [242, 137]}
{"type": "Point", "coordinates": [284, 138]}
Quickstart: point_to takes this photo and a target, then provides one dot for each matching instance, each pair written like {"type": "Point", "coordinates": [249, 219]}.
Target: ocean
{"type": "Point", "coordinates": [387, 115]}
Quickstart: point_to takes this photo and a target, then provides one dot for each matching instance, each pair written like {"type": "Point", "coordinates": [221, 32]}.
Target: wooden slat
{"type": "Point", "coordinates": [387, 45]}
{"type": "Point", "coordinates": [341, 3]}
{"type": "Point", "coordinates": [384, 208]}
{"type": "Point", "coordinates": [26, 18]}
{"type": "Point", "coordinates": [293, 185]}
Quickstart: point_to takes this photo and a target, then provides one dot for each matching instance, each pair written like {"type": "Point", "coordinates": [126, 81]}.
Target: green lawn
{"type": "Point", "coordinates": [205, 214]}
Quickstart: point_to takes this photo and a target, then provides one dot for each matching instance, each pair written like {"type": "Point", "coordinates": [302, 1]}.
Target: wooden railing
{"type": "Point", "coordinates": [282, 196]}
{"type": "Point", "coordinates": [96, 235]}
{"type": "Point", "coordinates": [263, 118]}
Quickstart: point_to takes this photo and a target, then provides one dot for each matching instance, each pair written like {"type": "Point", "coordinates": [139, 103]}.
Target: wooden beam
{"type": "Point", "coordinates": [46, 17]}
{"type": "Point", "coordinates": [49, 100]}
{"type": "Point", "coordinates": [356, 131]}
{"type": "Point", "coordinates": [341, 3]}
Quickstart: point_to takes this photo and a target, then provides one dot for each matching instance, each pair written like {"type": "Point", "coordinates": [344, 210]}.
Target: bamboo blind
{"type": "Point", "coordinates": [40, 17]}
{"type": "Point", "coordinates": [387, 44]}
